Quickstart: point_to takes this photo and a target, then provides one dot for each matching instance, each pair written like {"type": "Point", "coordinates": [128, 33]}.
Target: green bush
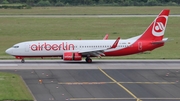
{"type": "Point", "coordinates": [172, 4]}
{"type": "Point", "coordinates": [59, 4]}
{"type": "Point", "coordinates": [28, 7]}
{"type": "Point", "coordinates": [152, 3]}
{"type": "Point", "coordinates": [44, 3]}
{"type": "Point", "coordinates": [5, 2]}
{"type": "Point", "coordinates": [13, 6]}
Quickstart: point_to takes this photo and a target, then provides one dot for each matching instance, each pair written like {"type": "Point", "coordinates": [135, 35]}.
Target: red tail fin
{"type": "Point", "coordinates": [156, 29]}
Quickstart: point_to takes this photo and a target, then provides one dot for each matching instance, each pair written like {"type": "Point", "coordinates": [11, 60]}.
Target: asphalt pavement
{"type": "Point", "coordinates": [98, 83]}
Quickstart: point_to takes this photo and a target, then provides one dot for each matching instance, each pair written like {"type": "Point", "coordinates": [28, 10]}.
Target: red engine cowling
{"type": "Point", "coordinates": [68, 56]}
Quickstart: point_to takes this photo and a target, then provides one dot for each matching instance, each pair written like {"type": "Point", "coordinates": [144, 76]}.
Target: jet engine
{"type": "Point", "coordinates": [68, 56]}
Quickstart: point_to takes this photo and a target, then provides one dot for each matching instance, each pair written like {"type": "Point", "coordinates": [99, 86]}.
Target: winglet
{"type": "Point", "coordinates": [115, 43]}
{"type": "Point", "coordinates": [106, 37]}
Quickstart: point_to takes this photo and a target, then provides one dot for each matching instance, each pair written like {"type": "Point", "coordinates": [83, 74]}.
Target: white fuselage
{"type": "Point", "coordinates": [58, 47]}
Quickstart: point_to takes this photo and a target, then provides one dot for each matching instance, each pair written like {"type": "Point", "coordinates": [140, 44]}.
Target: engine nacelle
{"type": "Point", "coordinates": [68, 56]}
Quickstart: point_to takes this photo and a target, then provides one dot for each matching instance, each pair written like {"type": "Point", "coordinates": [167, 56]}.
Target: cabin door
{"type": "Point", "coordinates": [139, 46]}
{"type": "Point", "coordinates": [26, 47]}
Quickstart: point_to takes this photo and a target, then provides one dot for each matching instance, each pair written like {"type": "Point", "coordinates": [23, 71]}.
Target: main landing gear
{"type": "Point", "coordinates": [88, 59]}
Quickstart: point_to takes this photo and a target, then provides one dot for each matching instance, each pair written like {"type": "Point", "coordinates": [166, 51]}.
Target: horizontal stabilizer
{"type": "Point", "coordinates": [159, 42]}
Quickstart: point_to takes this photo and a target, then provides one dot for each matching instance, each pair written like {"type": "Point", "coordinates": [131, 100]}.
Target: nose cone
{"type": "Point", "coordinates": [9, 51]}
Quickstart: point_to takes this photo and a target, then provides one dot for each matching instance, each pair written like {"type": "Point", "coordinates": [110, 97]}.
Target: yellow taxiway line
{"type": "Point", "coordinates": [119, 84]}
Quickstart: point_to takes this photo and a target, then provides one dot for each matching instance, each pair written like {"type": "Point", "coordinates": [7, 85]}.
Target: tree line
{"type": "Point", "coordinates": [94, 2]}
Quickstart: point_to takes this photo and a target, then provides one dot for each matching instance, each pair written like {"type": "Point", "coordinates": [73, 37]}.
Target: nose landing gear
{"type": "Point", "coordinates": [22, 58]}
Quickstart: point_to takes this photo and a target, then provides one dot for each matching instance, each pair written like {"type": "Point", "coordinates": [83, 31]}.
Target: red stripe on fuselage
{"type": "Point", "coordinates": [134, 48]}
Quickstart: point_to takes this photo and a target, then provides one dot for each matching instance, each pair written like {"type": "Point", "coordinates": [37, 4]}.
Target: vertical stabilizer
{"type": "Point", "coordinates": [156, 29]}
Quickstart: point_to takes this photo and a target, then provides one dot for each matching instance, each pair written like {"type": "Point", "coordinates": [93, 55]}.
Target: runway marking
{"type": "Point", "coordinates": [96, 83]}
{"type": "Point", "coordinates": [82, 83]}
{"type": "Point", "coordinates": [6, 65]}
{"type": "Point", "coordinates": [119, 84]}
{"type": "Point", "coordinates": [123, 98]}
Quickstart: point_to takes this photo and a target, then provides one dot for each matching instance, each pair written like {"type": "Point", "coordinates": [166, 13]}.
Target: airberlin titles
{"type": "Point", "coordinates": [54, 47]}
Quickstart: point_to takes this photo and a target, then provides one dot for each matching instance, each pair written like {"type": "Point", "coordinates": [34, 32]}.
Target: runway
{"type": "Point", "coordinates": [102, 80]}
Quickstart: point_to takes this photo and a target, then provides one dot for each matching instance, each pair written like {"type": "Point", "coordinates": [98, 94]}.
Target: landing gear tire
{"type": "Point", "coordinates": [22, 60]}
{"type": "Point", "coordinates": [88, 60]}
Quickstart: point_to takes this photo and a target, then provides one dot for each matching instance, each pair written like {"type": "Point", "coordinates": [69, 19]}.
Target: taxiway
{"type": "Point", "coordinates": [122, 80]}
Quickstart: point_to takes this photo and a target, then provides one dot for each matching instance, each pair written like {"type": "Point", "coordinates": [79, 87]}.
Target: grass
{"type": "Point", "coordinates": [13, 88]}
{"type": "Point", "coordinates": [91, 10]}
{"type": "Point", "coordinates": [14, 30]}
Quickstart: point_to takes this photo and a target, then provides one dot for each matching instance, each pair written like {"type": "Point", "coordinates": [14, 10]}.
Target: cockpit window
{"type": "Point", "coordinates": [15, 46]}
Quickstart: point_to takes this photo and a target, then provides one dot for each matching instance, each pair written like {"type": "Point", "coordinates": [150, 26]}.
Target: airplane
{"type": "Point", "coordinates": [75, 50]}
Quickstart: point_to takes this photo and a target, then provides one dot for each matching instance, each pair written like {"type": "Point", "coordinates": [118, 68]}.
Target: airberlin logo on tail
{"type": "Point", "coordinates": [159, 26]}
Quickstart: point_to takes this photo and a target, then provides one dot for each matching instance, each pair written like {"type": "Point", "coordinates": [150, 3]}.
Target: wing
{"type": "Point", "coordinates": [99, 52]}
